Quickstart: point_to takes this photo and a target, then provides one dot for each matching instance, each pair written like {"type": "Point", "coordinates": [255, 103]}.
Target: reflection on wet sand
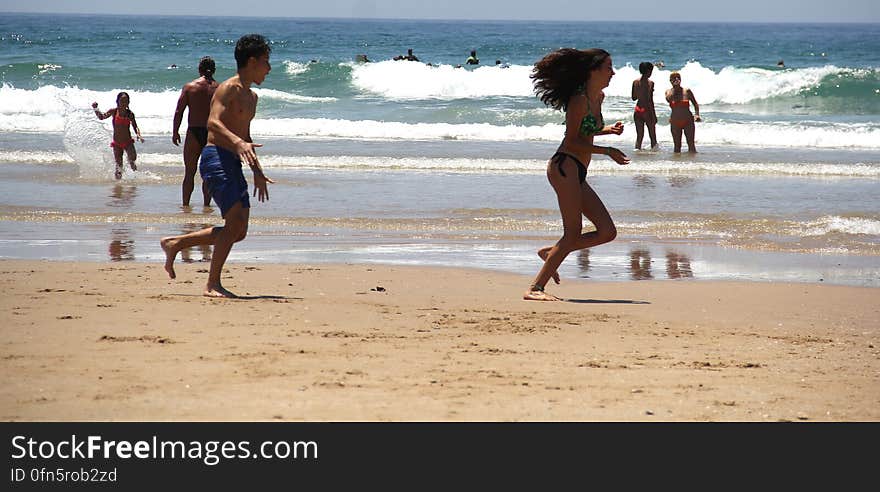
{"type": "Point", "coordinates": [640, 264]}
{"type": "Point", "coordinates": [583, 261]}
{"type": "Point", "coordinates": [679, 181]}
{"type": "Point", "coordinates": [188, 209]}
{"type": "Point", "coordinates": [678, 265]}
{"type": "Point", "coordinates": [122, 195]}
{"type": "Point", "coordinates": [643, 181]}
{"type": "Point", "coordinates": [121, 246]}
{"type": "Point", "coordinates": [204, 249]}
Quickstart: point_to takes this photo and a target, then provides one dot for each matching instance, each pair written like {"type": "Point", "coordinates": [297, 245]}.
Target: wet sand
{"type": "Point", "coordinates": [121, 342]}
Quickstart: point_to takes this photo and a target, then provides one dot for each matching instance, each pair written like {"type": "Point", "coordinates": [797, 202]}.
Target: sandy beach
{"type": "Point", "coordinates": [89, 341]}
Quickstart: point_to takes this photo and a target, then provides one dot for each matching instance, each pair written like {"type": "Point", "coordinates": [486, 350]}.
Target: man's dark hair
{"type": "Point", "coordinates": [250, 45]}
{"type": "Point", "coordinates": [207, 66]}
{"type": "Point", "coordinates": [646, 68]}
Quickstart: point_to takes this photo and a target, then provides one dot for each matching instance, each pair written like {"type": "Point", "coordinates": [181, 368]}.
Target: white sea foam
{"type": "Point", "coordinates": [45, 109]}
{"type": "Point", "coordinates": [295, 68]}
{"type": "Point", "coordinates": [757, 133]}
{"type": "Point", "coordinates": [388, 130]}
{"type": "Point", "coordinates": [289, 97]}
{"type": "Point", "coordinates": [29, 157]}
{"type": "Point", "coordinates": [845, 225]}
{"type": "Point", "coordinates": [100, 153]}
{"type": "Point", "coordinates": [730, 85]}
{"type": "Point", "coordinates": [775, 134]}
{"type": "Point", "coordinates": [47, 67]}
{"type": "Point", "coordinates": [414, 80]}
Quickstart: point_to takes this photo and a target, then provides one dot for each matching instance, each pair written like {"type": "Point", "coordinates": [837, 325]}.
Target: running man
{"type": "Point", "coordinates": [229, 144]}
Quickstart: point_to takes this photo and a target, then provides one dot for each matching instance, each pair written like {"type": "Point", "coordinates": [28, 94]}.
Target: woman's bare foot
{"type": "Point", "coordinates": [543, 252]}
{"type": "Point", "coordinates": [167, 244]}
{"type": "Point", "coordinates": [539, 295]}
{"type": "Point", "coordinates": [218, 291]}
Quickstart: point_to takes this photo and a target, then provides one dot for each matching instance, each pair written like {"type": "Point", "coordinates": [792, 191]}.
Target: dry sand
{"type": "Point", "coordinates": [120, 341]}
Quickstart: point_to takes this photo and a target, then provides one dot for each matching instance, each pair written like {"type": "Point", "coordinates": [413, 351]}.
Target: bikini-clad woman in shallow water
{"type": "Point", "coordinates": [572, 80]}
{"type": "Point", "coordinates": [123, 118]}
{"type": "Point", "coordinates": [681, 119]}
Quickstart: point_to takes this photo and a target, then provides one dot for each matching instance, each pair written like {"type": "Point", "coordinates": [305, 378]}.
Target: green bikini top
{"type": "Point", "coordinates": [590, 125]}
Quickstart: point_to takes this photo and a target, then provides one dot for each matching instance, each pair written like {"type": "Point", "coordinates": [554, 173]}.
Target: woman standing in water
{"type": "Point", "coordinates": [681, 119]}
{"type": "Point", "coordinates": [572, 80]}
{"type": "Point", "coordinates": [123, 118]}
{"type": "Point", "coordinates": [644, 113]}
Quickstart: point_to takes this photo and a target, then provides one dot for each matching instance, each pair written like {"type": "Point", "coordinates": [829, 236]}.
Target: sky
{"type": "Point", "coordinates": [581, 10]}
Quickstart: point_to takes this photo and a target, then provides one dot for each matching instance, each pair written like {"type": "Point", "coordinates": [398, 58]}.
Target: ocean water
{"type": "Point", "coordinates": [428, 163]}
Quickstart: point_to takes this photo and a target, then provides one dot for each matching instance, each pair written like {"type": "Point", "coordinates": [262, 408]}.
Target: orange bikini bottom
{"type": "Point", "coordinates": [681, 122]}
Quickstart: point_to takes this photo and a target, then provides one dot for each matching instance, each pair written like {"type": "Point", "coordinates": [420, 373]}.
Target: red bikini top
{"type": "Point", "coordinates": [120, 120]}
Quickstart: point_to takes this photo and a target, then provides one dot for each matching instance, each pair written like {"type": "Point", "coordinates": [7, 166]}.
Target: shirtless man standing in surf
{"type": "Point", "coordinates": [196, 95]}
{"type": "Point", "coordinates": [229, 144]}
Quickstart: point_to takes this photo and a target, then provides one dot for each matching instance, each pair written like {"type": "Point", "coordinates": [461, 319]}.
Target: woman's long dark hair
{"type": "Point", "coordinates": [558, 75]}
{"type": "Point", "coordinates": [119, 96]}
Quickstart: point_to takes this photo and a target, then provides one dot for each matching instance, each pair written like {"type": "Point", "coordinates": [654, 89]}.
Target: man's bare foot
{"type": "Point", "coordinates": [539, 295]}
{"type": "Point", "coordinates": [218, 291]}
{"type": "Point", "coordinates": [543, 252]}
{"type": "Point", "coordinates": [133, 166]}
{"type": "Point", "coordinates": [170, 255]}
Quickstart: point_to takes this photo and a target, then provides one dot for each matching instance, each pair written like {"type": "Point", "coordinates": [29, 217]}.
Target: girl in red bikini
{"type": "Point", "coordinates": [681, 119]}
{"type": "Point", "coordinates": [123, 119]}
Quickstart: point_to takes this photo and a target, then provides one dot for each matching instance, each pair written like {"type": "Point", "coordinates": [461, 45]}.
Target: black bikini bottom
{"type": "Point", "coordinates": [201, 134]}
{"type": "Point", "coordinates": [559, 157]}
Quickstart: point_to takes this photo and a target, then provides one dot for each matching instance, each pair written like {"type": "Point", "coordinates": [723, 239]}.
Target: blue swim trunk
{"type": "Point", "coordinates": [221, 170]}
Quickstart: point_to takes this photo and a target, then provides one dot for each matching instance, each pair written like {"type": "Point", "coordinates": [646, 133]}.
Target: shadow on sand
{"type": "Point", "coordinates": [283, 298]}
{"type": "Point", "coordinates": [243, 298]}
{"type": "Point", "coordinates": [605, 301]}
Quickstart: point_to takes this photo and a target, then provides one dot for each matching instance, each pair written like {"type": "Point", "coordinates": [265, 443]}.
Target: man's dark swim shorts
{"type": "Point", "coordinates": [221, 169]}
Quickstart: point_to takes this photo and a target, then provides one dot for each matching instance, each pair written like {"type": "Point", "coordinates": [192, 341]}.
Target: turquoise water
{"type": "Point", "coordinates": [432, 164]}
{"type": "Point", "coordinates": [827, 96]}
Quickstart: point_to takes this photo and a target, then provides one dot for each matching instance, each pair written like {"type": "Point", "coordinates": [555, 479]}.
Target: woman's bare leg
{"type": "Point", "coordinates": [652, 134]}
{"type": "Point", "coordinates": [594, 210]}
{"type": "Point", "coordinates": [568, 195]}
{"type": "Point", "coordinates": [542, 253]}
{"type": "Point", "coordinates": [640, 132]}
{"type": "Point", "coordinates": [676, 137]}
{"type": "Point", "coordinates": [591, 206]}
{"type": "Point", "coordinates": [689, 132]}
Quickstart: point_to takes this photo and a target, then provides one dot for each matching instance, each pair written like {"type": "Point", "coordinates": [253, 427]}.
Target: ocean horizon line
{"type": "Point", "coordinates": [468, 20]}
